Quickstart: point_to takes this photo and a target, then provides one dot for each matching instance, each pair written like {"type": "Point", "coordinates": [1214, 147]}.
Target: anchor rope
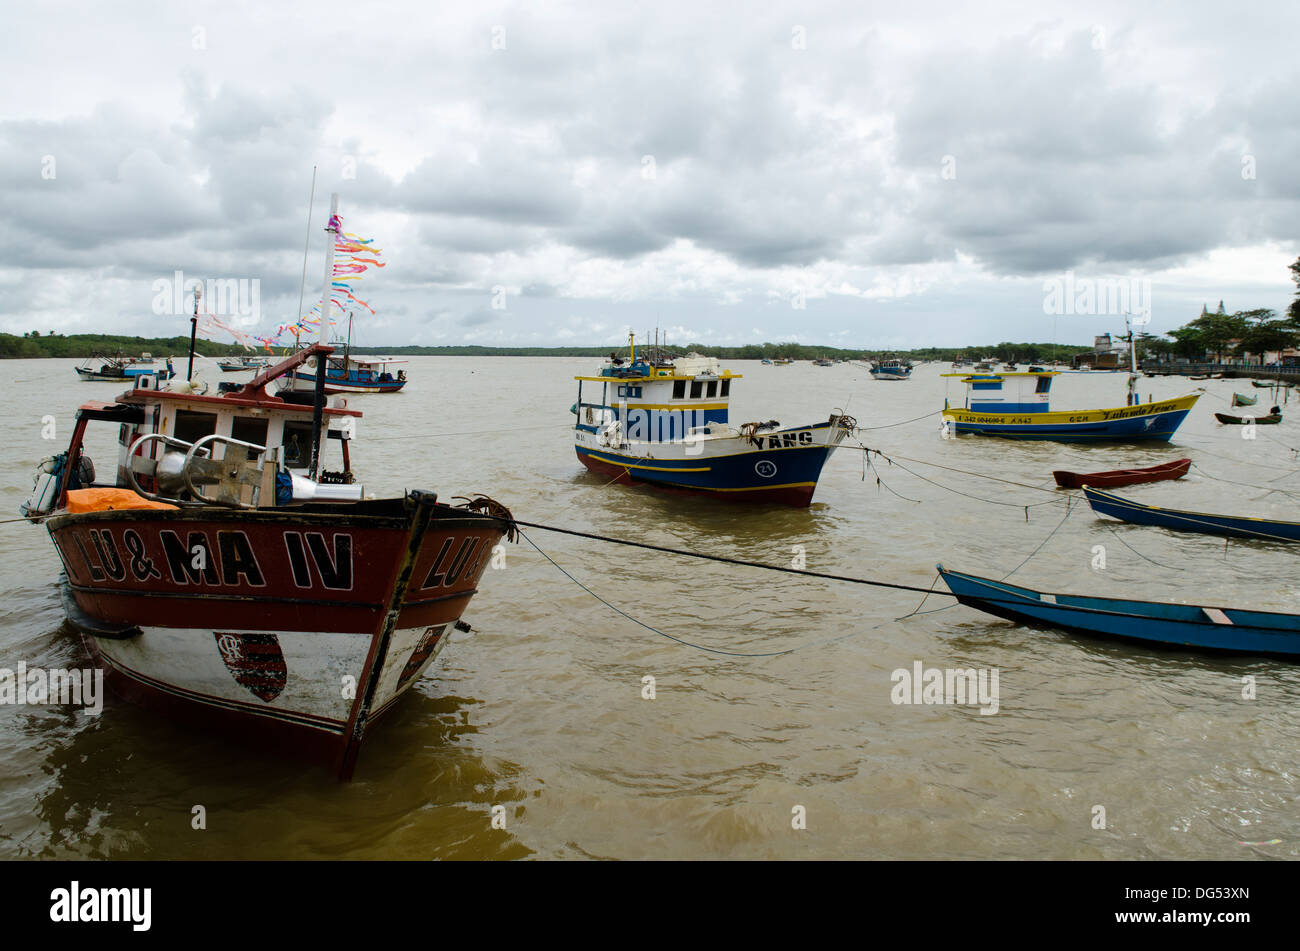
{"type": "Point", "coordinates": [915, 612]}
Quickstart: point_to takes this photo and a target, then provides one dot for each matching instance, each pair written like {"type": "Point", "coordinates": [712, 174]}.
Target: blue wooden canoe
{"type": "Point", "coordinates": [1153, 622]}
{"type": "Point", "coordinates": [1231, 526]}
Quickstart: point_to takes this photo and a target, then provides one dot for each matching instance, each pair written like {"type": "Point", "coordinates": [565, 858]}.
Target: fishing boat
{"type": "Point", "coordinates": [1230, 526]}
{"type": "Point", "coordinates": [1153, 622]}
{"type": "Point", "coordinates": [1016, 406]}
{"type": "Point", "coordinates": [118, 369]}
{"type": "Point", "coordinates": [653, 420]}
{"type": "Point", "coordinates": [767, 362]}
{"type": "Point", "coordinates": [891, 370]}
{"type": "Point", "coordinates": [1114, 478]}
{"type": "Point", "coordinates": [240, 364]}
{"type": "Point", "coordinates": [1263, 386]}
{"type": "Point", "coordinates": [349, 373]}
{"type": "Point", "coordinates": [1240, 399]}
{"type": "Point", "coordinates": [222, 575]}
{"type": "Point", "coordinates": [1273, 417]}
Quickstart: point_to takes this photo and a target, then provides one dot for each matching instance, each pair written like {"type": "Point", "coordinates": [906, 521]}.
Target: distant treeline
{"type": "Point", "coordinates": [85, 345]}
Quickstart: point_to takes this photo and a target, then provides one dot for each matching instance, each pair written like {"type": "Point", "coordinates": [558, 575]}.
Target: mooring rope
{"type": "Point", "coordinates": [947, 488]}
{"type": "Point", "coordinates": [723, 559]}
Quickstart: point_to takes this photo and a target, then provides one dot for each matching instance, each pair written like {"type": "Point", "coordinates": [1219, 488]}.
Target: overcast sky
{"type": "Point", "coordinates": [876, 176]}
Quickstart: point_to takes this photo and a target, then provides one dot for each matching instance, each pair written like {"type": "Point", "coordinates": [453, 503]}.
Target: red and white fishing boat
{"type": "Point", "coordinates": [225, 576]}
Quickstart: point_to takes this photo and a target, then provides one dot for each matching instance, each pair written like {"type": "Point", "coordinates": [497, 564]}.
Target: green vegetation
{"type": "Point", "coordinates": [36, 344]}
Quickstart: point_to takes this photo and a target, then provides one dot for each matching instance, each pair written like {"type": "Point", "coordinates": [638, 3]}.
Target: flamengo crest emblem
{"type": "Point", "coordinates": [255, 661]}
{"type": "Point", "coordinates": [421, 653]}
{"type": "Point", "coordinates": [765, 468]}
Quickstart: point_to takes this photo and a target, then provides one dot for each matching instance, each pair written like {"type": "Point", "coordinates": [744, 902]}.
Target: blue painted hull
{"type": "Point", "coordinates": [1231, 526]}
{"type": "Point", "coordinates": [785, 476]}
{"type": "Point", "coordinates": [351, 382]}
{"type": "Point", "coordinates": [1161, 429]}
{"type": "Point", "coordinates": [1152, 622]}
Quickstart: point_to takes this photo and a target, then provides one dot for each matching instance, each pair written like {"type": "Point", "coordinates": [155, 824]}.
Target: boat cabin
{"type": "Point", "coordinates": [244, 448]}
{"type": "Point", "coordinates": [655, 400]}
{"type": "Point", "coordinates": [1024, 392]}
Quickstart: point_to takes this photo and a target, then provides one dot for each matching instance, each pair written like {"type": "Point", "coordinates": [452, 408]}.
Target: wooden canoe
{"type": "Point", "coordinates": [1241, 399]}
{"type": "Point", "coordinates": [1274, 416]}
{"type": "Point", "coordinates": [1235, 630]}
{"type": "Point", "coordinates": [1115, 478]}
{"type": "Point", "coordinates": [1230, 526]}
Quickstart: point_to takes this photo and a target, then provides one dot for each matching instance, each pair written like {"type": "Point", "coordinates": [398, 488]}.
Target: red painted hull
{"type": "Point", "coordinates": [1120, 477]}
{"type": "Point", "coordinates": [797, 496]}
{"type": "Point", "coordinates": [259, 622]}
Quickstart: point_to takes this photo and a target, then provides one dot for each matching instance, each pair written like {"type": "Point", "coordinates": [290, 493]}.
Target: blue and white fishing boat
{"type": "Point", "coordinates": [1154, 622]}
{"type": "Point", "coordinates": [349, 373]}
{"type": "Point", "coordinates": [664, 422]}
{"type": "Point", "coordinates": [891, 370]}
{"type": "Point", "coordinates": [118, 369]}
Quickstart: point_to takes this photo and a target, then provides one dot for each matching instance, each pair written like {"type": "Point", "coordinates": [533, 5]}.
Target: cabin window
{"type": "Point", "coordinates": [297, 444]}
{"type": "Point", "coordinates": [726, 388]}
{"type": "Point", "coordinates": [679, 389]}
{"type": "Point", "coordinates": [696, 389]}
{"type": "Point", "coordinates": [1044, 384]}
{"type": "Point", "coordinates": [191, 426]}
{"type": "Point", "coordinates": [248, 429]}
{"type": "Point", "coordinates": [712, 389]}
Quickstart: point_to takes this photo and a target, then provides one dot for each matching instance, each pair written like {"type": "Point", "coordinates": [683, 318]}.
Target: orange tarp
{"type": "Point", "coordinates": [104, 500]}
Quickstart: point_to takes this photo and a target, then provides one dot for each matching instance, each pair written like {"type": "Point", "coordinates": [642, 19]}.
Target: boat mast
{"type": "Point", "coordinates": [194, 330]}
{"type": "Point", "coordinates": [322, 362]}
{"type": "Point", "coordinates": [331, 229]}
{"type": "Point", "coordinates": [1132, 361]}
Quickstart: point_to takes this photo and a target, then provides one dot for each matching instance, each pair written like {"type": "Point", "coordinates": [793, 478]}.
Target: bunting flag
{"type": "Point", "coordinates": [353, 256]}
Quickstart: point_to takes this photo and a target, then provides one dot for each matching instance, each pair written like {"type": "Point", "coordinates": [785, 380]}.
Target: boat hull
{"type": "Point", "coordinates": [780, 467]}
{"type": "Point", "coordinates": [1151, 622]}
{"type": "Point", "coordinates": [346, 384]}
{"type": "Point", "coordinates": [1231, 526]}
{"type": "Point", "coordinates": [1230, 420]}
{"type": "Point", "coordinates": [94, 376]}
{"type": "Point", "coordinates": [1146, 421]}
{"type": "Point", "coordinates": [272, 623]}
{"type": "Point", "coordinates": [1121, 477]}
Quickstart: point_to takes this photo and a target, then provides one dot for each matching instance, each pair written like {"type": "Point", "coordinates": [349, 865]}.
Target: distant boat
{"type": "Point", "coordinates": [1273, 417]}
{"type": "Point", "coordinates": [891, 370]}
{"type": "Point", "coordinates": [239, 364]}
{"type": "Point", "coordinates": [116, 369]}
{"type": "Point", "coordinates": [1153, 622]}
{"type": "Point", "coordinates": [1263, 386]}
{"type": "Point", "coordinates": [1239, 399]}
{"type": "Point", "coordinates": [1115, 478]}
{"type": "Point", "coordinates": [347, 373]}
{"type": "Point", "coordinates": [823, 362]}
{"type": "Point", "coordinates": [1230, 526]}
{"type": "Point", "coordinates": [767, 362]}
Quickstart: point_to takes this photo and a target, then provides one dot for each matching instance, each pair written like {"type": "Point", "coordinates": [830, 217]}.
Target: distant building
{"type": "Point", "coordinates": [1106, 353]}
